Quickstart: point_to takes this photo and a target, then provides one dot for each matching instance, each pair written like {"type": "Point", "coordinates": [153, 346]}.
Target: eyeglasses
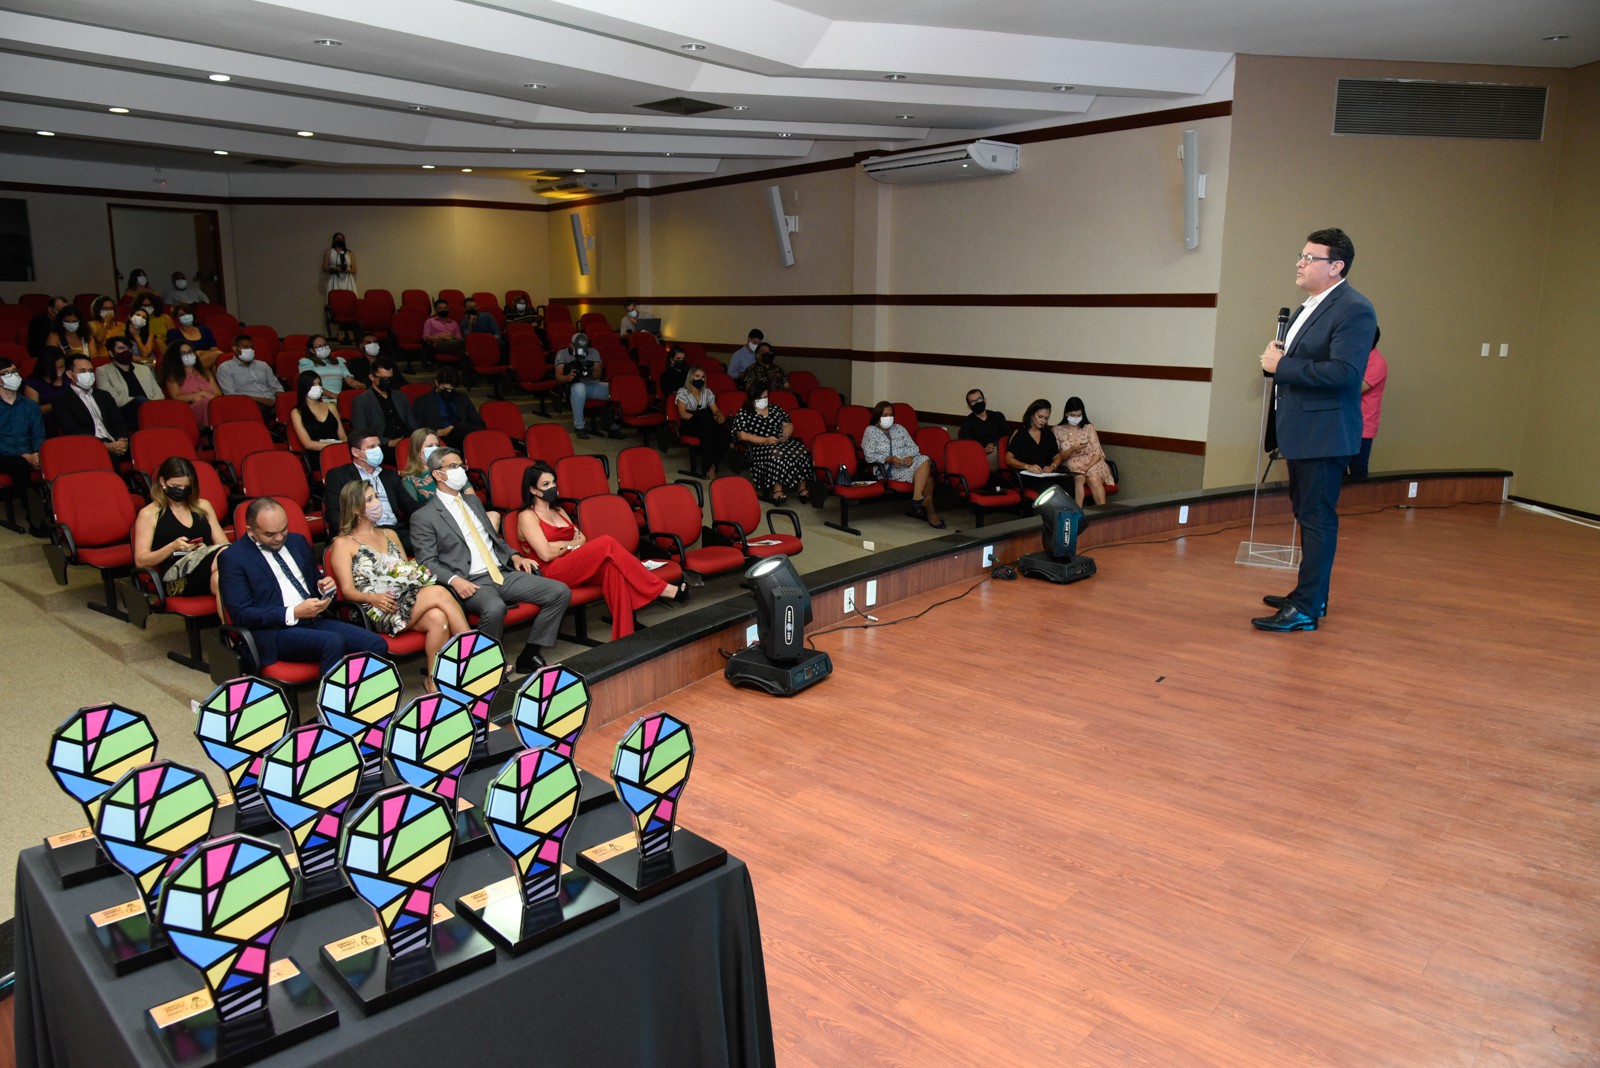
{"type": "Point", "coordinates": [1303, 258]}
{"type": "Point", "coordinates": [451, 467]}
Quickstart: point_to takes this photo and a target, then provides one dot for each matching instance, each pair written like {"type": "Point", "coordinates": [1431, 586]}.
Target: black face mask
{"type": "Point", "coordinates": [444, 391]}
{"type": "Point", "coordinates": [122, 356]}
{"type": "Point", "coordinates": [766, 357]}
{"type": "Point", "coordinates": [178, 493]}
{"type": "Point", "coordinates": [977, 407]}
{"type": "Point", "coordinates": [550, 496]}
{"type": "Point", "coordinates": [338, 242]}
{"type": "Point", "coordinates": [382, 384]}
{"type": "Point", "coordinates": [699, 383]}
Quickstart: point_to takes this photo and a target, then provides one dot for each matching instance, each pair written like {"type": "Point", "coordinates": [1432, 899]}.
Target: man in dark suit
{"type": "Point", "coordinates": [85, 409]}
{"type": "Point", "coordinates": [366, 464]}
{"type": "Point", "coordinates": [448, 409]}
{"type": "Point", "coordinates": [269, 582]}
{"type": "Point", "coordinates": [1317, 374]}
{"type": "Point", "coordinates": [383, 409]}
{"type": "Point", "coordinates": [456, 541]}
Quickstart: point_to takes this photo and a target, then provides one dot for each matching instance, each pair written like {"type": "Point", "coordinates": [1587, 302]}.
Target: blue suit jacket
{"type": "Point", "coordinates": [246, 580]}
{"type": "Point", "coordinates": [1319, 378]}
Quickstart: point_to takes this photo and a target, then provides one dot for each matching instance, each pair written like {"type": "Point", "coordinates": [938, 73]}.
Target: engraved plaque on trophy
{"type": "Point", "coordinates": [358, 697]}
{"type": "Point", "coordinates": [394, 848]}
{"type": "Point", "coordinates": [222, 906]}
{"type": "Point", "coordinates": [428, 746]}
{"type": "Point", "coordinates": [650, 770]}
{"type": "Point", "coordinates": [146, 821]}
{"type": "Point", "coordinates": [531, 805]}
{"type": "Point", "coordinates": [94, 748]}
{"type": "Point", "coordinates": [237, 724]}
{"type": "Point", "coordinates": [550, 712]}
{"type": "Point", "coordinates": [308, 780]}
{"type": "Point", "coordinates": [469, 670]}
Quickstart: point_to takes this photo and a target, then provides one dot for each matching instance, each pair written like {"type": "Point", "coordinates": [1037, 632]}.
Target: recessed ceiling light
{"type": "Point", "coordinates": [1064, 88]}
{"type": "Point", "coordinates": [693, 47]}
{"type": "Point", "coordinates": [905, 116]}
{"type": "Point", "coordinates": [427, 166]}
{"type": "Point", "coordinates": [666, 153]}
{"type": "Point", "coordinates": [466, 170]}
{"type": "Point", "coordinates": [45, 133]}
{"type": "Point", "coordinates": [894, 77]}
{"type": "Point", "coordinates": [304, 133]}
{"type": "Point", "coordinates": [580, 170]}
{"type": "Point", "coordinates": [741, 107]}
{"type": "Point", "coordinates": [219, 152]}
{"type": "Point", "coordinates": [416, 107]}
{"type": "Point", "coordinates": [1559, 37]}
{"type": "Point", "coordinates": [221, 77]}
{"type": "Point", "coordinates": [624, 129]}
{"type": "Point", "coordinates": [534, 85]}
{"type": "Point", "coordinates": [786, 135]}
{"type": "Point", "coordinates": [119, 111]}
{"type": "Point", "coordinates": [327, 42]}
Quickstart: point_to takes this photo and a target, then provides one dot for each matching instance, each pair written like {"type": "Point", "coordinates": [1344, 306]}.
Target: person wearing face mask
{"type": "Point", "coordinates": [338, 266]}
{"type": "Point", "coordinates": [21, 437]}
{"type": "Point", "coordinates": [1078, 441]}
{"type": "Point", "coordinates": [104, 326]}
{"type": "Point", "coordinates": [630, 317]}
{"type": "Point", "coordinates": [456, 540]}
{"type": "Point", "coordinates": [360, 364]}
{"type": "Point", "coordinates": [521, 311]}
{"type": "Point", "coordinates": [178, 535]}
{"type": "Point", "coordinates": [1032, 451]}
{"type": "Point", "coordinates": [43, 325]}
{"type": "Point", "coordinates": [246, 376]}
{"type": "Point", "coordinates": [415, 478]}
{"type": "Point", "coordinates": [48, 383]}
{"type": "Point", "coordinates": [765, 373]}
{"type": "Point", "coordinates": [442, 334]}
{"type": "Point", "coordinates": [147, 333]}
{"type": "Point", "coordinates": [889, 447]}
{"type": "Point", "coordinates": [139, 286]}
{"type": "Point", "coordinates": [396, 593]}
{"type": "Point", "coordinates": [331, 369]}
{"type": "Point", "coordinates": [746, 356]}
{"type": "Point", "coordinates": [186, 380]}
{"type": "Point", "coordinates": [129, 384]}
{"type": "Point", "coordinates": [675, 374]}
{"type": "Point", "coordinates": [69, 335]}
{"type": "Point", "coordinates": [314, 421]}
{"type": "Point", "coordinates": [985, 426]}
{"type": "Point", "coordinates": [199, 337]}
{"type": "Point", "coordinates": [383, 410]}
{"type": "Point", "coordinates": [581, 368]}
{"type": "Point", "coordinates": [475, 321]}
{"type": "Point", "coordinates": [86, 409]}
{"type": "Point", "coordinates": [448, 407]}
{"type": "Point", "coordinates": [700, 417]}
{"type": "Point", "coordinates": [183, 291]}
{"type": "Point", "coordinates": [269, 582]}
{"type": "Point", "coordinates": [568, 555]}
{"type": "Point", "coordinates": [366, 465]}
{"type": "Point", "coordinates": [777, 458]}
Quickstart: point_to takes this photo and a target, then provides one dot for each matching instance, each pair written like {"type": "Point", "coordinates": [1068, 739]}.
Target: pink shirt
{"type": "Point", "coordinates": [436, 326]}
{"type": "Point", "coordinates": [1372, 400]}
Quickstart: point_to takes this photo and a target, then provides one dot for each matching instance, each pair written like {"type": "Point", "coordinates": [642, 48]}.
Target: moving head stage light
{"type": "Point", "coordinates": [779, 662]}
{"type": "Point", "coordinates": [1062, 520]}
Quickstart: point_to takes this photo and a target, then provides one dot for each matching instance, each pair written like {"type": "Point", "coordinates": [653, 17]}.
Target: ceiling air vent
{"type": "Point", "coordinates": [1388, 108]}
{"type": "Point", "coordinates": [275, 164]}
{"type": "Point", "coordinates": [682, 105]}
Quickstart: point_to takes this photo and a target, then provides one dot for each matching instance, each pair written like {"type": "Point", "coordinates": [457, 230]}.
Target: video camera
{"type": "Point", "coordinates": [582, 358]}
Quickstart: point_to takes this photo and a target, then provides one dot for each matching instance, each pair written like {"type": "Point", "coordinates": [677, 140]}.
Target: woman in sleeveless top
{"type": "Point", "coordinates": [396, 593]}
{"type": "Point", "coordinates": [315, 422]}
{"type": "Point", "coordinates": [177, 534]}
{"type": "Point", "coordinates": [701, 418]}
{"type": "Point", "coordinates": [184, 379]}
{"type": "Point", "coordinates": [566, 555]}
{"type": "Point", "coordinates": [1077, 440]}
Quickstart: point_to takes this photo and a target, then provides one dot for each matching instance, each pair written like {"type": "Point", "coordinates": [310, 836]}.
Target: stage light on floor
{"type": "Point", "coordinates": [1063, 522]}
{"type": "Point", "coordinates": [779, 661]}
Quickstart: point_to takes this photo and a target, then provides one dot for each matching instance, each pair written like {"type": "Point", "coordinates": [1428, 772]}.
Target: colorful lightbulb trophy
{"type": "Point", "coordinates": [531, 805]}
{"type": "Point", "coordinates": [469, 670]}
{"type": "Point", "coordinates": [308, 780]}
{"type": "Point", "coordinates": [238, 723]}
{"type": "Point", "coordinates": [222, 906]}
{"type": "Point", "coordinates": [146, 821]}
{"type": "Point", "coordinates": [650, 770]}
{"type": "Point", "coordinates": [394, 849]}
{"type": "Point", "coordinates": [359, 697]}
{"type": "Point", "coordinates": [94, 748]}
{"type": "Point", "coordinates": [551, 710]}
{"type": "Point", "coordinates": [428, 746]}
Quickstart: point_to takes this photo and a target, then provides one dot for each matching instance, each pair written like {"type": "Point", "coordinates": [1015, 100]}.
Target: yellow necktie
{"type": "Point", "coordinates": [477, 540]}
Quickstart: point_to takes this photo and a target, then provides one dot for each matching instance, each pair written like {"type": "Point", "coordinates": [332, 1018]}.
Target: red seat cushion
{"type": "Point", "coordinates": [192, 606]}
{"type": "Point", "coordinates": [715, 558]}
{"type": "Point", "coordinates": [109, 556]}
{"type": "Point", "coordinates": [406, 643]}
{"type": "Point", "coordinates": [1002, 499]}
{"type": "Point", "coordinates": [788, 545]}
{"type": "Point", "coordinates": [292, 672]}
{"type": "Point", "coordinates": [860, 491]}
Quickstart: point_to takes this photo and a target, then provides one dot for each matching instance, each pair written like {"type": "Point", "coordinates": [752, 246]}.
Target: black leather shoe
{"type": "Point", "coordinates": [581, 433]}
{"type": "Point", "coordinates": [1288, 618]}
{"type": "Point", "coordinates": [529, 661]}
{"type": "Point", "coordinates": [1272, 600]}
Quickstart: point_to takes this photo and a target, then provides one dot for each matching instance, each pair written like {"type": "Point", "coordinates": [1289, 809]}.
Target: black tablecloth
{"type": "Point", "coordinates": [676, 981]}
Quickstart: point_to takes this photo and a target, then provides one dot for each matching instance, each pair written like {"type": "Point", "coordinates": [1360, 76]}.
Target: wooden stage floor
{"type": "Point", "coordinates": [1110, 824]}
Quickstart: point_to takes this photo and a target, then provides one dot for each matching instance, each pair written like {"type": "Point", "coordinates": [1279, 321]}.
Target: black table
{"type": "Point", "coordinates": [676, 981]}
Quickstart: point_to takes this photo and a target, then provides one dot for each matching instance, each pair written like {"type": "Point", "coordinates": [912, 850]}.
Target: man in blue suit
{"type": "Point", "coordinates": [1317, 372]}
{"type": "Point", "coordinates": [270, 583]}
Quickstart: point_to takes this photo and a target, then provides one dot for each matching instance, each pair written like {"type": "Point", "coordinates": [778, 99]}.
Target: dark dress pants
{"type": "Point", "coordinates": [326, 641]}
{"type": "Point", "coordinates": [1314, 496]}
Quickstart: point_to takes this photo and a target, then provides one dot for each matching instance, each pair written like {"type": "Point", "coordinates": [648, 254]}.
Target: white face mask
{"type": "Point", "coordinates": [85, 379]}
{"type": "Point", "coordinates": [1074, 420]}
{"type": "Point", "coordinates": [633, 315]}
{"type": "Point", "coordinates": [753, 344]}
{"type": "Point", "coordinates": [106, 313]}
{"type": "Point", "coordinates": [314, 393]}
{"type": "Point", "coordinates": [72, 327]}
{"type": "Point", "coordinates": [246, 355]}
{"type": "Point", "coordinates": [427, 451]}
{"type": "Point", "coordinates": [180, 283]}
{"type": "Point", "coordinates": [136, 320]}
{"type": "Point", "coordinates": [372, 348]}
{"type": "Point", "coordinates": [187, 358]}
{"type": "Point", "coordinates": [186, 320]}
{"type": "Point", "coordinates": [373, 456]}
{"type": "Point", "coordinates": [886, 421]}
{"type": "Point", "coordinates": [761, 405]}
{"type": "Point", "coordinates": [521, 307]}
{"type": "Point", "coordinates": [456, 478]}
{"type": "Point", "coordinates": [139, 279]}
{"type": "Point", "coordinates": [323, 351]}
{"type": "Point", "coordinates": [11, 380]}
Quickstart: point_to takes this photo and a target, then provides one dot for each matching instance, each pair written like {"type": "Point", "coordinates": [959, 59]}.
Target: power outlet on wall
{"type": "Point", "coordinates": [849, 599]}
{"type": "Point", "coordinates": [872, 592]}
{"type": "Point", "coordinates": [1411, 490]}
{"type": "Point", "coordinates": [988, 556]}
{"type": "Point", "coordinates": [1183, 514]}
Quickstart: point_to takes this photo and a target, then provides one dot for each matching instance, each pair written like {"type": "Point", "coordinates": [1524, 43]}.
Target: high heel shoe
{"type": "Point", "coordinates": [682, 596]}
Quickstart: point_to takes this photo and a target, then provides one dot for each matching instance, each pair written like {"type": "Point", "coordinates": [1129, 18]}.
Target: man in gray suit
{"type": "Point", "coordinates": [455, 540]}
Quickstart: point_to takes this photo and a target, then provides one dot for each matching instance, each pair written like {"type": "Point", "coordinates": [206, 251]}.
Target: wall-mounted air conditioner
{"type": "Point", "coordinates": [978, 159]}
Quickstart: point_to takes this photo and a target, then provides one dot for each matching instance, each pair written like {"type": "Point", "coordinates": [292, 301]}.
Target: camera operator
{"type": "Point", "coordinates": [579, 366]}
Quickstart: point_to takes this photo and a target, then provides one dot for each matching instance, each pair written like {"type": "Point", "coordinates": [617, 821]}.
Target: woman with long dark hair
{"type": "Point", "coordinates": [1079, 443]}
{"type": "Point", "coordinates": [777, 458]}
{"type": "Point", "coordinates": [178, 534]}
{"type": "Point", "coordinates": [184, 378]}
{"type": "Point", "coordinates": [314, 420]}
{"type": "Point", "coordinates": [1032, 451]}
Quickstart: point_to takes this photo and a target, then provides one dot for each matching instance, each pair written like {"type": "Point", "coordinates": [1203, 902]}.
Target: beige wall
{"type": "Point", "coordinates": [1451, 244]}
{"type": "Point", "coordinates": [1560, 461]}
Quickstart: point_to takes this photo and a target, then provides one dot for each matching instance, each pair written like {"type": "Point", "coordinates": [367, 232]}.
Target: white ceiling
{"type": "Point", "coordinates": [442, 82]}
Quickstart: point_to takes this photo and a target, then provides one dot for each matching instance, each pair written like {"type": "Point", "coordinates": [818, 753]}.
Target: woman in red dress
{"type": "Point", "coordinates": [566, 555]}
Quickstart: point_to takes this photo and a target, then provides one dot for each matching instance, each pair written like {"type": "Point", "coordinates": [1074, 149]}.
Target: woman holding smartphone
{"type": "Point", "coordinates": [177, 533]}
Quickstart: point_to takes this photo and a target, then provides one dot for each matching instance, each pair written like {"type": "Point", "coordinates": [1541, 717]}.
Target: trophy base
{"type": "Point", "coordinates": [318, 891]}
{"type": "Point", "coordinates": [78, 860]}
{"type": "Point", "coordinates": [471, 831]}
{"type": "Point", "coordinates": [639, 879]}
{"type": "Point", "coordinates": [497, 910]}
{"type": "Point", "coordinates": [256, 821]}
{"type": "Point", "coordinates": [296, 1010]}
{"type": "Point", "coordinates": [377, 981]}
{"type": "Point", "coordinates": [497, 746]}
{"type": "Point", "coordinates": [127, 939]}
{"type": "Point", "coordinates": [593, 791]}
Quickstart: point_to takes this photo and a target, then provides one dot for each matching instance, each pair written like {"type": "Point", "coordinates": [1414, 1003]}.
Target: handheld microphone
{"type": "Point", "coordinates": [1283, 324]}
